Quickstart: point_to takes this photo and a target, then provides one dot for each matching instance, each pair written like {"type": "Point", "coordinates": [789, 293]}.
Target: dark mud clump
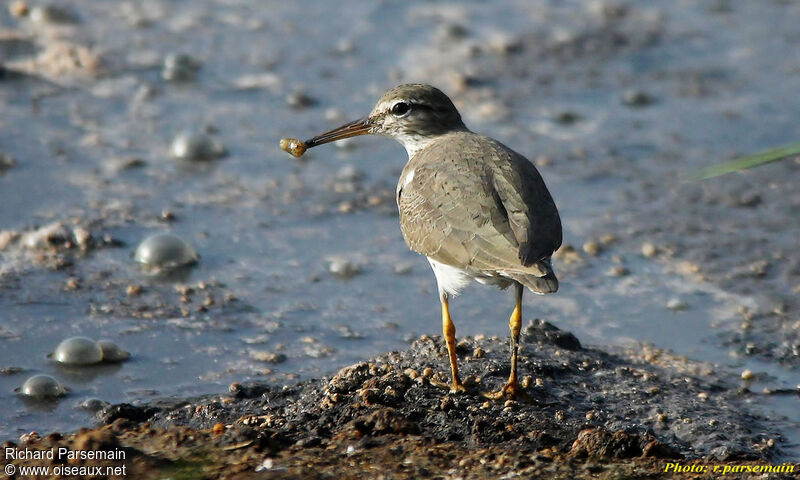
{"type": "Point", "coordinates": [583, 406]}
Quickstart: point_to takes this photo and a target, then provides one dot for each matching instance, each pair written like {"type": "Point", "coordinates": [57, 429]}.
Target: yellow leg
{"type": "Point", "coordinates": [449, 331]}
{"type": "Point", "coordinates": [511, 388]}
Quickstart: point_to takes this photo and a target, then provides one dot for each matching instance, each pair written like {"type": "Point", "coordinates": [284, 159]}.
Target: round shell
{"type": "Point", "coordinates": [293, 146]}
{"type": "Point", "coordinates": [112, 352]}
{"type": "Point", "coordinates": [41, 386]}
{"type": "Point", "coordinates": [165, 250]}
{"type": "Point", "coordinates": [78, 351]}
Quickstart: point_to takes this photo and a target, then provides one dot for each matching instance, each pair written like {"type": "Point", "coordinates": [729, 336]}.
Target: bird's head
{"type": "Point", "coordinates": [412, 114]}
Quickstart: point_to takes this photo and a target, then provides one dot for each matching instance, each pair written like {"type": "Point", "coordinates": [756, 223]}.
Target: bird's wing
{"type": "Point", "coordinates": [532, 214]}
{"type": "Point", "coordinates": [455, 211]}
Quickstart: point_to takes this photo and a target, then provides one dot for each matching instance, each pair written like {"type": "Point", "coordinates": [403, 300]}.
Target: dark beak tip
{"type": "Point", "coordinates": [361, 126]}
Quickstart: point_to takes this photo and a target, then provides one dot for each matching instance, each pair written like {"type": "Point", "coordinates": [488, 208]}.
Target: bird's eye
{"type": "Point", "coordinates": [399, 109]}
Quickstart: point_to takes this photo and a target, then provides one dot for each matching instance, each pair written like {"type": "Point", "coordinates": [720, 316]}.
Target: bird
{"type": "Point", "coordinates": [474, 207]}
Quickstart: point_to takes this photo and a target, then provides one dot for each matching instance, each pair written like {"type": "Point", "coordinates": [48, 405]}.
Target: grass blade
{"type": "Point", "coordinates": [748, 161]}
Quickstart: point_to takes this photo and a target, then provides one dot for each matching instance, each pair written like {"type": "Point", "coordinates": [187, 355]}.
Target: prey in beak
{"type": "Point", "coordinates": [297, 147]}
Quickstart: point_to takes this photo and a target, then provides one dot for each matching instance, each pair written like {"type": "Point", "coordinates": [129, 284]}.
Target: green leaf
{"type": "Point", "coordinates": [748, 161]}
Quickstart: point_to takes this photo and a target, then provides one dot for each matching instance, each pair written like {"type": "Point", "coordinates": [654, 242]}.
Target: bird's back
{"type": "Point", "coordinates": [470, 202]}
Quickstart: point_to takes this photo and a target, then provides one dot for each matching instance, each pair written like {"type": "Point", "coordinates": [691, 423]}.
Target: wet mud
{"type": "Point", "coordinates": [584, 412]}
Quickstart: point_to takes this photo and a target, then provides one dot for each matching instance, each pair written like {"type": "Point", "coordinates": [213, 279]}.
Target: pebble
{"type": "Point", "coordinates": [165, 250]}
{"type": "Point", "coordinates": [299, 100]}
{"type": "Point", "coordinates": [112, 352]}
{"type": "Point", "coordinates": [268, 357]}
{"type": "Point", "coordinates": [618, 271]}
{"type": "Point", "coordinates": [41, 387]}
{"type": "Point", "coordinates": [52, 14]}
{"type": "Point", "coordinates": [344, 268]}
{"type": "Point", "coordinates": [18, 8]}
{"type": "Point", "coordinates": [92, 404]}
{"type": "Point", "coordinates": [637, 98]}
{"type": "Point", "coordinates": [676, 304]}
{"type": "Point", "coordinates": [649, 250]}
{"type": "Point", "coordinates": [78, 351]}
{"type": "Point", "coordinates": [180, 67]}
{"type": "Point", "coordinates": [402, 268]}
{"type": "Point", "coordinates": [48, 236]}
{"type": "Point", "coordinates": [6, 162]}
{"type": "Point", "coordinates": [195, 147]}
{"type": "Point", "coordinates": [567, 118]}
{"type": "Point", "coordinates": [748, 375]}
{"type": "Point", "coordinates": [345, 331]}
{"type": "Point", "coordinates": [592, 248]}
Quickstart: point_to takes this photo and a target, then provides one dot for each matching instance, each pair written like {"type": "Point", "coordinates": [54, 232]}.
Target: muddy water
{"type": "Point", "coordinates": [549, 78]}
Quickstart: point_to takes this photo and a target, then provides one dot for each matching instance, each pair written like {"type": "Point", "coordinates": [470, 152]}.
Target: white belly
{"type": "Point", "coordinates": [452, 280]}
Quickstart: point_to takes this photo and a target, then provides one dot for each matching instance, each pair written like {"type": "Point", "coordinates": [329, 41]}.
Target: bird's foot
{"type": "Point", "coordinates": [511, 391]}
{"type": "Point", "coordinates": [454, 387]}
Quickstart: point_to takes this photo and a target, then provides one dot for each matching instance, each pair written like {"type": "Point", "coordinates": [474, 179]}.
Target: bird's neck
{"type": "Point", "coordinates": [414, 142]}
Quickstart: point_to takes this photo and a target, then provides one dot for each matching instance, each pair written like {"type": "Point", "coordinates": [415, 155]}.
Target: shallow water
{"type": "Point", "coordinates": [266, 226]}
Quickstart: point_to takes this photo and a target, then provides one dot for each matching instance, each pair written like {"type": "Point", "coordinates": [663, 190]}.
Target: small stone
{"type": "Point", "coordinates": [608, 238]}
{"type": "Point", "coordinates": [7, 237]}
{"type": "Point", "coordinates": [567, 254]}
{"type": "Point", "coordinates": [567, 118]}
{"type": "Point", "coordinates": [300, 100]}
{"type": "Point", "coordinates": [402, 268]}
{"type": "Point", "coordinates": [268, 357]}
{"type": "Point", "coordinates": [637, 98]}
{"type": "Point", "coordinates": [345, 331]}
{"type": "Point", "coordinates": [649, 250]}
{"type": "Point", "coordinates": [180, 67]}
{"type": "Point", "coordinates": [344, 268]}
{"type": "Point", "coordinates": [676, 304]}
{"type": "Point", "coordinates": [592, 248]}
{"type": "Point", "coordinates": [478, 352]}
{"type": "Point", "coordinates": [194, 147]}
{"type": "Point", "coordinates": [78, 351]}
{"type": "Point", "coordinates": [6, 162]}
{"type": "Point", "coordinates": [133, 290]}
{"type": "Point", "coordinates": [18, 8]}
{"type": "Point", "coordinates": [92, 404]}
{"type": "Point", "coordinates": [167, 215]}
{"type": "Point", "coordinates": [41, 387]}
{"type": "Point", "coordinates": [49, 236]}
{"type": "Point", "coordinates": [52, 14]}
{"type": "Point", "coordinates": [748, 375]}
{"type": "Point", "coordinates": [618, 271]}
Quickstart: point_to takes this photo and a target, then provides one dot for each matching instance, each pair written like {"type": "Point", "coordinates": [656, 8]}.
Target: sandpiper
{"type": "Point", "coordinates": [475, 208]}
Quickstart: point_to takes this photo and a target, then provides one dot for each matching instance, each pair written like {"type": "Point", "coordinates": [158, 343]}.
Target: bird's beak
{"type": "Point", "coordinates": [352, 129]}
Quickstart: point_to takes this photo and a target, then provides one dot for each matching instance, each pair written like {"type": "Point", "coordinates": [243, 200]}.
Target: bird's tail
{"type": "Point", "coordinates": [542, 280]}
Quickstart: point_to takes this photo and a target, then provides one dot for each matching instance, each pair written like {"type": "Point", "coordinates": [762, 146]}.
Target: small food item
{"type": "Point", "coordinates": [293, 146]}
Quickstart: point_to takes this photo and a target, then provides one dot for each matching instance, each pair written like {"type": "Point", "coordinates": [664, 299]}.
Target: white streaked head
{"type": "Point", "coordinates": [413, 114]}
